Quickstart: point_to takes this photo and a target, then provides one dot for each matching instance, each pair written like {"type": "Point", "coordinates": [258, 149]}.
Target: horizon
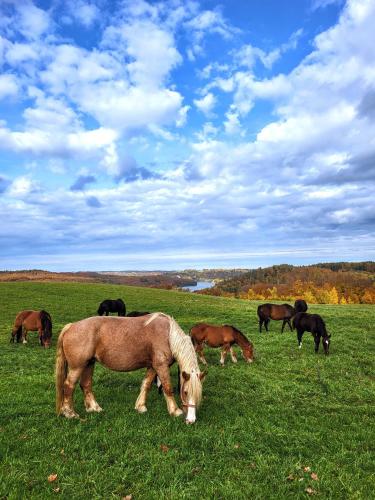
{"type": "Point", "coordinates": [233, 135]}
{"type": "Point", "coordinates": [176, 270]}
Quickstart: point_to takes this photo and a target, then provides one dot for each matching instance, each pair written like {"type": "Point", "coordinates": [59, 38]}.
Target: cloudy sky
{"type": "Point", "coordinates": [174, 134]}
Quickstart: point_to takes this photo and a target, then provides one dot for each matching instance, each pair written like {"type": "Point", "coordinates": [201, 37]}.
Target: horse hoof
{"type": "Point", "coordinates": [24, 342]}
{"type": "Point", "coordinates": [177, 413]}
{"type": "Point", "coordinates": [94, 409]}
{"type": "Point", "coordinates": [141, 409]}
{"type": "Point", "coordinates": [69, 414]}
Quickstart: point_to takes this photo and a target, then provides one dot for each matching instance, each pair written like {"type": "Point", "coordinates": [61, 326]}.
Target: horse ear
{"type": "Point", "coordinates": [185, 376]}
{"type": "Point", "coordinates": [202, 375]}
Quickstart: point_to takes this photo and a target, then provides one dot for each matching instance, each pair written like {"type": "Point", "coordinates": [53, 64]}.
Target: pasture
{"type": "Point", "coordinates": [290, 425]}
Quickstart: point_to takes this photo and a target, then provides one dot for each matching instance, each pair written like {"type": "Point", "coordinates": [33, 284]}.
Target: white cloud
{"type": "Point", "coordinates": [206, 104]}
{"type": "Point", "coordinates": [8, 86]}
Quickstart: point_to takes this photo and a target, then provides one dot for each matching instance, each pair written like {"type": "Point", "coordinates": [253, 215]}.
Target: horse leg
{"type": "Point", "coordinates": [316, 341]}
{"type": "Point", "coordinates": [233, 355]}
{"type": "Point", "coordinates": [67, 409]}
{"type": "Point", "coordinates": [266, 323]}
{"type": "Point", "coordinates": [299, 338]}
{"type": "Point", "coordinates": [24, 335]}
{"type": "Point", "coordinates": [140, 404]}
{"type": "Point", "coordinates": [199, 350]}
{"type": "Point", "coordinates": [224, 352]}
{"type": "Point", "coordinates": [40, 333]}
{"type": "Point", "coordinates": [260, 325]}
{"type": "Point", "coordinates": [85, 382]}
{"type": "Point", "coordinates": [165, 379]}
{"type": "Point", "coordinates": [290, 325]}
{"type": "Point", "coordinates": [282, 328]}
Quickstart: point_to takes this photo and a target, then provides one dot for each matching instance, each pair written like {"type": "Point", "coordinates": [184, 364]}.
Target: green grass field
{"type": "Point", "coordinates": [259, 426]}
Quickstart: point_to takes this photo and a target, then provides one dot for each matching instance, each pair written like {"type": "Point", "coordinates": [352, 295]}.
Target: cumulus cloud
{"type": "Point", "coordinates": [206, 103]}
{"type": "Point", "coordinates": [81, 182]}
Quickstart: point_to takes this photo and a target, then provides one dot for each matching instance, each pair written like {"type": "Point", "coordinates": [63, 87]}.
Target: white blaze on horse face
{"type": "Point", "coordinates": [191, 417]}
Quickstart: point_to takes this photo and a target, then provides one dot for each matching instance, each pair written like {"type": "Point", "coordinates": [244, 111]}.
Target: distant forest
{"type": "Point", "coordinates": [326, 283]}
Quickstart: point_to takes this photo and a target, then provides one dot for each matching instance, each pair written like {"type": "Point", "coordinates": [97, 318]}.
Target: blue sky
{"type": "Point", "coordinates": [174, 134]}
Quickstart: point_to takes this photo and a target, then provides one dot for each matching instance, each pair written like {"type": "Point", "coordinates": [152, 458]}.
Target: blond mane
{"type": "Point", "coordinates": [183, 351]}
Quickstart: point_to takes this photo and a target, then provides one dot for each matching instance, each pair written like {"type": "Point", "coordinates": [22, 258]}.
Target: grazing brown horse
{"type": "Point", "coordinates": [266, 312]}
{"type": "Point", "coordinates": [32, 321]}
{"type": "Point", "coordinates": [126, 344]}
{"type": "Point", "coordinates": [220, 336]}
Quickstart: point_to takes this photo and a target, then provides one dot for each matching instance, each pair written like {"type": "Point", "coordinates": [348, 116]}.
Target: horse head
{"type": "Point", "coordinates": [45, 339]}
{"type": "Point", "coordinates": [326, 342]}
{"type": "Point", "coordinates": [191, 393]}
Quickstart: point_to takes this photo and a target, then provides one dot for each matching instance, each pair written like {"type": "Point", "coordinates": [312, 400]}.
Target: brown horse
{"type": "Point", "coordinates": [284, 312]}
{"type": "Point", "coordinates": [32, 321]}
{"type": "Point", "coordinates": [221, 336]}
{"type": "Point", "coordinates": [126, 344]}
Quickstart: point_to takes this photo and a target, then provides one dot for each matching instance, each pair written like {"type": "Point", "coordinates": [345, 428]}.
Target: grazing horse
{"type": "Point", "coordinates": [32, 321]}
{"type": "Point", "coordinates": [313, 323]}
{"type": "Point", "coordinates": [266, 312]}
{"type": "Point", "coordinates": [127, 344]}
{"type": "Point", "coordinates": [136, 314]}
{"type": "Point", "coordinates": [220, 336]}
{"type": "Point", "coordinates": [112, 306]}
{"type": "Point", "coordinates": [300, 306]}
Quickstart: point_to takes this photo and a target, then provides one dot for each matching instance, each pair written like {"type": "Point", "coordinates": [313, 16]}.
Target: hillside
{"type": "Point", "coordinates": [290, 423]}
{"type": "Point", "coordinates": [342, 282]}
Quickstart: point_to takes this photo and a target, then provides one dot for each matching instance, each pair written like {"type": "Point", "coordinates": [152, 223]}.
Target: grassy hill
{"type": "Point", "coordinates": [262, 431]}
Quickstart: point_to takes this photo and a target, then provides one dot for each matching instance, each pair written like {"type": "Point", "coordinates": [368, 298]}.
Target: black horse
{"type": "Point", "coordinates": [300, 306]}
{"type": "Point", "coordinates": [305, 322]}
{"type": "Point", "coordinates": [135, 314]}
{"type": "Point", "coordinates": [112, 306]}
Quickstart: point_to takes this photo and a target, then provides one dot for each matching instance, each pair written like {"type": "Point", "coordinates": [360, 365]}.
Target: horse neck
{"type": "Point", "coordinates": [240, 338]}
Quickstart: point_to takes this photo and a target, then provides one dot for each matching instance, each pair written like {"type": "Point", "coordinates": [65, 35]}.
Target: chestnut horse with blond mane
{"type": "Point", "coordinates": [33, 321]}
{"type": "Point", "coordinates": [126, 344]}
{"type": "Point", "coordinates": [220, 336]}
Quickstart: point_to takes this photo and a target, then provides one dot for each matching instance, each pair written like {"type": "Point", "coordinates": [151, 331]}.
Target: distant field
{"type": "Point", "coordinates": [259, 425]}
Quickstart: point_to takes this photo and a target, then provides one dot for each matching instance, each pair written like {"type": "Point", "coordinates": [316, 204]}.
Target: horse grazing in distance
{"type": "Point", "coordinates": [313, 323]}
{"type": "Point", "coordinates": [136, 314]}
{"type": "Point", "coordinates": [26, 321]}
{"type": "Point", "coordinates": [127, 344]}
{"type": "Point", "coordinates": [278, 312]}
{"type": "Point", "coordinates": [300, 306]}
{"type": "Point", "coordinates": [112, 306]}
{"type": "Point", "coordinates": [221, 336]}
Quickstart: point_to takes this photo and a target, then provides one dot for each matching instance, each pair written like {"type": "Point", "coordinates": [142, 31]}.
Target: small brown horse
{"type": "Point", "coordinates": [266, 312]}
{"type": "Point", "coordinates": [220, 336]}
{"type": "Point", "coordinates": [32, 321]}
{"type": "Point", "coordinates": [126, 344]}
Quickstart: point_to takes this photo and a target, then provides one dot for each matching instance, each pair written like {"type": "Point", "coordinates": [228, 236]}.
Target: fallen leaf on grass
{"type": "Point", "coordinates": [291, 477]}
{"type": "Point", "coordinates": [306, 469]}
{"type": "Point", "coordinates": [52, 478]}
{"type": "Point", "coordinates": [127, 497]}
{"type": "Point", "coordinates": [310, 491]}
{"type": "Point", "coordinates": [56, 490]}
{"type": "Point", "coordinates": [62, 452]}
{"type": "Point", "coordinates": [164, 448]}
{"type": "Point", "coordinates": [236, 445]}
{"type": "Point", "coordinates": [314, 476]}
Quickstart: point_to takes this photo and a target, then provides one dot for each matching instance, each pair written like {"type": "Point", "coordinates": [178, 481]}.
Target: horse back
{"type": "Point", "coordinates": [120, 343]}
{"type": "Point", "coordinates": [213, 335]}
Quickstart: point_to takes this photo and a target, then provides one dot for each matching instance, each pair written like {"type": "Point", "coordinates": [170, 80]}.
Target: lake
{"type": "Point", "coordinates": [199, 286]}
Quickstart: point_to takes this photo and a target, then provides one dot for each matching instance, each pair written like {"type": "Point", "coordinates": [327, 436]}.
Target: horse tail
{"type": "Point", "coordinates": [16, 334]}
{"type": "Point", "coordinates": [61, 369]}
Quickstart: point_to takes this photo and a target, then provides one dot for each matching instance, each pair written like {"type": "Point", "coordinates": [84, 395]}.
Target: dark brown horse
{"type": "Point", "coordinates": [300, 306]}
{"type": "Point", "coordinates": [220, 336]}
{"type": "Point", "coordinates": [126, 344]}
{"type": "Point", "coordinates": [313, 323]}
{"type": "Point", "coordinates": [26, 321]}
{"type": "Point", "coordinates": [278, 312]}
